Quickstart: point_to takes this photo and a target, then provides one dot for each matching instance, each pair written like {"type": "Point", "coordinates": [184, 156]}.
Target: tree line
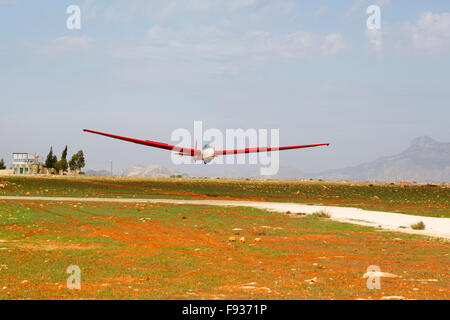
{"type": "Point", "coordinates": [76, 163]}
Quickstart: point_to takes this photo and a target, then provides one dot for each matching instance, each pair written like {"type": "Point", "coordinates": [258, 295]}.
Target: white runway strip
{"type": "Point", "coordinates": [435, 227]}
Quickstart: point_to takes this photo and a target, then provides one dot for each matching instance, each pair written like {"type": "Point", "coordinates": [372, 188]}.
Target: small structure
{"type": "Point", "coordinates": [25, 163]}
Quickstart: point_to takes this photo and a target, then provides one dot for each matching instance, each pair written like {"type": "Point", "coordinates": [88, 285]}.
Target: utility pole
{"type": "Point", "coordinates": [111, 168]}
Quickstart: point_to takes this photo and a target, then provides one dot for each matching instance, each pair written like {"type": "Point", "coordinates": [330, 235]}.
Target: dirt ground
{"type": "Point", "coordinates": [162, 251]}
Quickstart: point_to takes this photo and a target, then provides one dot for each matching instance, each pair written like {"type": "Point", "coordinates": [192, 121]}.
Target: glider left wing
{"type": "Point", "coordinates": [160, 145]}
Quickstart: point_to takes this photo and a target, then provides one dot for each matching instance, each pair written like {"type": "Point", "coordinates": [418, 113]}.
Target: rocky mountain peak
{"type": "Point", "coordinates": [423, 141]}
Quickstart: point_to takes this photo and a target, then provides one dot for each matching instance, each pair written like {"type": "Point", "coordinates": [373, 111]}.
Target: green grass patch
{"type": "Point", "coordinates": [426, 200]}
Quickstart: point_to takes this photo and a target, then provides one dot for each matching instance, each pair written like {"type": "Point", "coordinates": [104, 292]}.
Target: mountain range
{"type": "Point", "coordinates": [425, 160]}
{"type": "Point", "coordinates": [152, 171]}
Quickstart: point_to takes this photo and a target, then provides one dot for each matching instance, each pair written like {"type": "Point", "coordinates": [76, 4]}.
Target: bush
{"type": "Point", "coordinates": [61, 165]}
{"type": "Point", "coordinates": [321, 214]}
{"type": "Point", "coordinates": [418, 226]}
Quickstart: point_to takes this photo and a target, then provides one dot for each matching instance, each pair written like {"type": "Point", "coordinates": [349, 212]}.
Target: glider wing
{"type": "Point", "coordinates": [160, 145]}
{"type": "Point", "coordinates": [253, 150]}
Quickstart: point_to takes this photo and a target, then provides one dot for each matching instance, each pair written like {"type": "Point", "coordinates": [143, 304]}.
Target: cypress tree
{"type": "Point", "coordinates": [51, 159]}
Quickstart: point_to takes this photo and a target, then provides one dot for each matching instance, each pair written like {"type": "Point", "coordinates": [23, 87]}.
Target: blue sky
{"type": "Point", "coordinates": [145, 68]}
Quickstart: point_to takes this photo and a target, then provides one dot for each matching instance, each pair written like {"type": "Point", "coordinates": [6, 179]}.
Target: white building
{"type": "Point", "coordinates": [25, 163]}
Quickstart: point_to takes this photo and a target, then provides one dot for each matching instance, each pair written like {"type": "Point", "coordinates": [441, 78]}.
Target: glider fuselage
{"type": "Point", "coordinates": [206, 155]}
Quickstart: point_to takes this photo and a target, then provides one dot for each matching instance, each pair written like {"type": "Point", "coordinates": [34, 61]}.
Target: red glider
{"type": "Point", "coordinates": [207, 154]}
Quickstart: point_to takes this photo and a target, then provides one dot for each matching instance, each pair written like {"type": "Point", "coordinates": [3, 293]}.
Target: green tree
{"type": "Point", "coordinates": [64, 154]}
{"type": "Point", "coordinates": [51, 160]}
{"type": "Point", "coordinates": [62, 164]}
{"type": "Point", "coordinates": [77, 162]}
{"type": "Point", "coordinates": [2, 164]}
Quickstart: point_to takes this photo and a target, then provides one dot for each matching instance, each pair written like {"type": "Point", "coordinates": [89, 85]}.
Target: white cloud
{"type": "Point", "coordinates": [66, 44]}
{"type": "Point", "coordinates": [431, 32]}
{"type": "Point", "coordinates": [223, 40]}
{"type": "Point", "coordinates": [125, 11]}
{"type": "Point", "coordinates": [358, 6]}
{"type": "Point", "coordinates": [82, 42]}
{"type": "Point", "coordinates": [332, 44]}
{"type": "Point", "coordinates": [207, 5]}
{"type": "Point", "coordinates": [375, 38]}
{"type": "Point", "coordinates": [321, 12]}
{"type": "Point", "coordinates": [90, 9]}
{"type": "Point", "coordinates": [383, 3]}
{"type": "Point", "coordinates": [218, 46]}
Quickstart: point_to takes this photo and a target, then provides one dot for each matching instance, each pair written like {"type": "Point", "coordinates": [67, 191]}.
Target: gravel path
{"type": "Point", "coordinates": [435, 227]}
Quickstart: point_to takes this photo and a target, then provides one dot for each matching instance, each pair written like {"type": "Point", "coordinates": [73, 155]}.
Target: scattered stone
{"type": "Point", "coordinates": [253, 288]}
{"type": "Point", "coordinates": [376, 274]}
{"type": "Point", "coordinates": [429, 280]}
{"type": "Point", "coordinates": [311, 281]}
{"type": "Point", "coordinates": [393, 298]}
{"type": "Point", "coordinates": [237, 231]}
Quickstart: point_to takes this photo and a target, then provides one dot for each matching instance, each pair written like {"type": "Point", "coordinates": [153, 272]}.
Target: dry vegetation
{"type": "Point", "coordinates": [157, 251]}
{"type": "Point", "coordinates": [427, 200]}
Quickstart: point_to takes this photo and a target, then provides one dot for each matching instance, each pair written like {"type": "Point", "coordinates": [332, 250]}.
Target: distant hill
{"type": "Point", "coordinates": [284, 173]}
{"type": "Point", "coordinates": [97, 173]}
{"type": "Point", "coordinates": [426, 160]}
{"type": "Point", "coordinates": [153, 171]}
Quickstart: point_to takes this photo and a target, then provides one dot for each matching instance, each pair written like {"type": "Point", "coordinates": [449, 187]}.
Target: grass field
{"type": "Point", "coordinates": [184, 252]}
{"type": "Point", "coordinates": [161, 251]}
{"type": "Point", "coordinates": [426, 200]}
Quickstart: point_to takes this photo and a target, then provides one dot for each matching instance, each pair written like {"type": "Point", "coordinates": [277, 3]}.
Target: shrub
{"type": "Point", "coordinates": [321, 214]}
{"type": "Point", "coordinates": [418, 226]}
